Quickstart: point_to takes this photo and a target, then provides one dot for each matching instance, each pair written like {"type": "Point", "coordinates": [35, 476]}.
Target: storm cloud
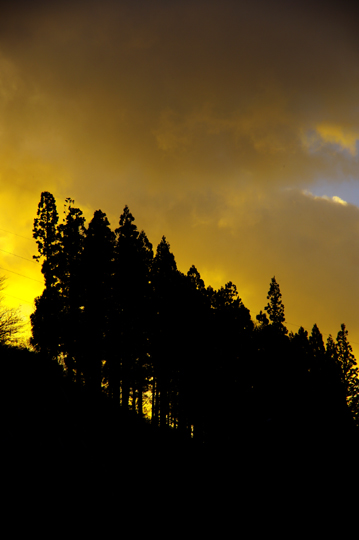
{"type": "Point", "coordinates": [214, 121]}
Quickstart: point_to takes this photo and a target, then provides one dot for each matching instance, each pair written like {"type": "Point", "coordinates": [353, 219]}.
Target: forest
{"type": "Point", "coordinates": [125, 324]}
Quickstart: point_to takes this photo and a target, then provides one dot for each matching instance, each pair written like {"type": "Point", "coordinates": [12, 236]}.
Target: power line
{"type": "Point", "coordinates": [17, 298]}
{"type": "Point", "coordinates": [15, 234]}
{"type": "Point", "coordinates": [25, 258]}
{"type": "Point", "coordinates": [22, 275]}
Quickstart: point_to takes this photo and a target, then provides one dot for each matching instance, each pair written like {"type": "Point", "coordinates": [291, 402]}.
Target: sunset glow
{"type": "Point", "coordinates": [215, 122]}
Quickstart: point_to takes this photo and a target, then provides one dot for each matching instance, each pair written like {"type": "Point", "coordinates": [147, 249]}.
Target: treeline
{"type": "Point", "coordinates": [124, 321]}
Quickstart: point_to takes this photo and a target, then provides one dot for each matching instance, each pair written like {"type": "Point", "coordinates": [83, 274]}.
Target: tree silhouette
{"type": "Point", "coordinates": [111, 311]}
{"type": "Point", "coordinates": [45, 320]}
{"type": "Point", "coordinates": [96, 297]}
{"type": "Point", "coordinates": [349, 371]}
{"type": "Point", "coordinates": [317, 344]}
{"type": "Point", "coordinates": [230, 332]}
{"type": "Point", "coordinates": [275, 307]}
{"type": "Point", "coordinates": [45, 234]}
{"type": "Point", "coordinates": [273, 362]}
{"type": "Point", "coordinates": [130, 315]}
{"type": "Point", "coordinates": [166, 286]}
{"type": "Point", "coordinates": [71, 235]}
{"type": "Point", "coordinates": [194, 375]}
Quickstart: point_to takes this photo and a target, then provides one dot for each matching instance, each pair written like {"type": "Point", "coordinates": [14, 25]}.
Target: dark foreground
{"type": "Point", "coordinates": [64, 452]}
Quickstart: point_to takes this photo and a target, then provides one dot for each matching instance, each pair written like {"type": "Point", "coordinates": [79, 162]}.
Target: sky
{"type": "Point", "coordinates": [230, 127]}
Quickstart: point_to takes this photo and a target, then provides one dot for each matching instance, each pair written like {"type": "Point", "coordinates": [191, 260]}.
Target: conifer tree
{"type": "Point", "coordinates": [330, 349]}
{"type": "Point", "coordinates": [349, 371]}
{"type": "Point", "coordinates": [96, 297]}
{"type": "Point", "coordinates": [195, 278]}
{"type": "Point", "coordinates": [301, 352]}
{"type": "Point", "coordinates": [130, 320]}
{"type": "Point", "coordinates": [193, 373]}
{"type": "Point", "coordinates": [166, 291]}
{"type": "Point", "coordinates": [71, 234]}
{"type": "Point", "coordinates": [272, 358]}
{"type": "Point", "coordinates": [45, 320]}
{"type": "Point", "coordinates": [275, 307]}
{"type": "Point", "coordinates": [45, 234]}
{"type": "Point", "coordinates": [317, 344]}
{"type": "Point", "coordinates": [231, 333]}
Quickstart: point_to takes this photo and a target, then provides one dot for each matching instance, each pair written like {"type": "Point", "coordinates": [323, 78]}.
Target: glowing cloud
{"type": "Point", "coordinates": [334, 199]}
{"type": "Point", "coordinates": [339, 200]}
{"type": "Point", "coordinates": [331, 134]}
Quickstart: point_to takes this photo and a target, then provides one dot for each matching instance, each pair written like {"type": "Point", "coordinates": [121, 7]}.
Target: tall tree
{"type": "Point", "coordinates": [272, 359]}
{"type": "Point", "coordinates": [166, 286]}
{"type": "Point", "coordinates": [275, 307]}
{"type": "Point", "coordinates": [71, 235]}
{"type": "Point", "coordinates": [299, 386]}
{"type": "Point", "coordinates": [45, 320]}
{"type": "Point", "coordinates": [130, 321]}
{"type": "Point", "coordinates": [231, 330]}
{"type": "Point", "coordinates": [349, 371]}
{"type": "Point", "coordinates": [45, 234]}
{"type": "Point", "coordinates": [193, 306]}
{"type": "Point", "coordinates": [96, 297]}
{"type": "Point", "coordinates": [336, 399]}
{"type": "Point", "coordinates": [317, 344]}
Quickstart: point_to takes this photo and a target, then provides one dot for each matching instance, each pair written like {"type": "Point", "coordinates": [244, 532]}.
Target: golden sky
{"type": "Point", "coordinates": [230, 127]}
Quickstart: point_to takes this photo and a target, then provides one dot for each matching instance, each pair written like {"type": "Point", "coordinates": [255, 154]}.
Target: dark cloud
{"type": "Point", "coordinates": [208, 119]}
